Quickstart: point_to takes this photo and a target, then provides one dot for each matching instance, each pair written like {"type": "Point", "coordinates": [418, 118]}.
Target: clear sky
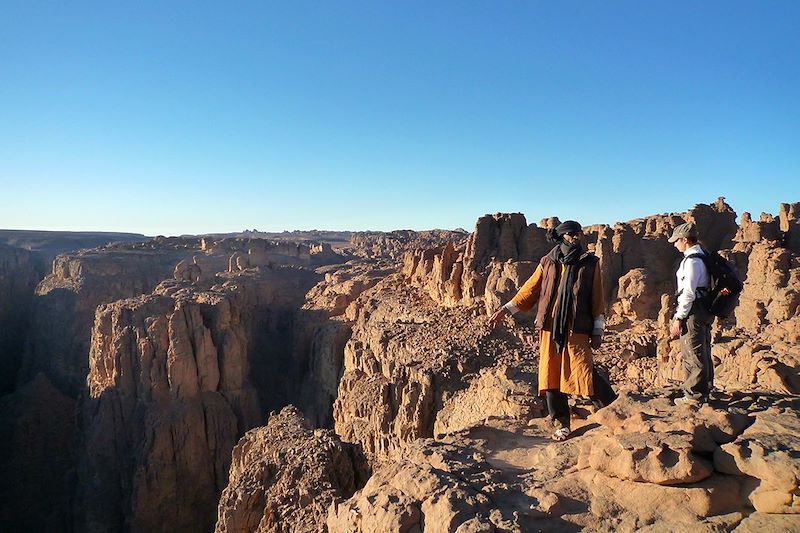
{"type": "Point", "coordinates": [170, 117]}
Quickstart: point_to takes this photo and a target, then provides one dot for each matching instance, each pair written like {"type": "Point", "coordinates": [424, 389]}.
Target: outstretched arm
{"type": "Point", "coordinates": [525, 298]}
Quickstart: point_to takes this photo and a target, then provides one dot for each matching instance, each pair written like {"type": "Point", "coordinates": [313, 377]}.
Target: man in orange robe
{"type": "Point", "coordinates": [570, 320]}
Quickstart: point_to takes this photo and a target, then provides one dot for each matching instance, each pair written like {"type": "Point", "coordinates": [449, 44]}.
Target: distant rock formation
{"type": "Point", "coordinates": [49, 244]}
{"type": "Point", "coordinates": [393, 244]}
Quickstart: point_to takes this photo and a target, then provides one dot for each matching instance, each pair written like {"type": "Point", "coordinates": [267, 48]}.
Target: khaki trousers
{"type": "Point", "coordinates": [696, 352]}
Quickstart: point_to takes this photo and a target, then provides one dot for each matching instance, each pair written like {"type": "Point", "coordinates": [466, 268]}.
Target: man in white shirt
{"type": "Point", "coordinates": [691, 320]}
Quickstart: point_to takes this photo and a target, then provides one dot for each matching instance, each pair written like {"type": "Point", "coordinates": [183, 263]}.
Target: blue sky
{"type": "Point", "coordinates": [191, 117]}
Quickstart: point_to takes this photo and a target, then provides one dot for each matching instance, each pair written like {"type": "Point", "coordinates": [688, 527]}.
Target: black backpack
{"type": "Point", "coordinates": [722, 275]}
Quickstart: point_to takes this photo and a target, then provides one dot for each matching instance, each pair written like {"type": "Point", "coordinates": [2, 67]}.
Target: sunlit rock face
{"type": "Point", "coordinates": [55, 318]}
{"type": "Point", "coordinates": [65, 303]}
{"type": "Point", "coordinates": [389, 349]}
{"type": "Point", "coordinates": [176, 377]}
{"type": "Point", "coordinates": [402, 382]}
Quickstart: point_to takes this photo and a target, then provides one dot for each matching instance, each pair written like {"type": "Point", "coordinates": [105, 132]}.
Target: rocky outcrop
{"type": "Point", "coordinates": [175, 378]}
{"type": "Point", "coordinates": [789, 217]}
{"type": "Point", "coordinates": [499, 254]}
{"type": "Point", "coordinates": [244, 253]}
{"type": "Point", "coordinates": [407, 361]}
{"type": "Point", "coordinates": [772, 286]}
{"type": "Point", "coordinates": [638, 263]}
{"type": "Point", "coordinates": [655, 442]}
{"type": "Point", "coordinates": [435, 487]}
{"type": "Point", "coordinates": [66, 299]}
{"type": "Point", "coordinates": [641, 465]}
{"type": "Point", "coordinates": [768, 452]}
{"type": "Point", "coordinates": [766, 228]}
{"type": "Point", "coordinates": [284, 476]}
{"type": "Point", "coordinates": [343, 284]}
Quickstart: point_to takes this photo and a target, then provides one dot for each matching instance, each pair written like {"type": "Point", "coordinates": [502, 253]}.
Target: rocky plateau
{"type": "Point", "coordinates": [237, 384]}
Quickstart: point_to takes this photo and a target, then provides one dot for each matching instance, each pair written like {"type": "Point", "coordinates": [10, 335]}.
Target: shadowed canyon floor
{"type": "Point", "coordinates": [245, 384]}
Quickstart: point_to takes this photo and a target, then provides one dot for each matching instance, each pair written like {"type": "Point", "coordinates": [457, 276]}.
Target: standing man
{"type": "Point", "coordinates": [570, 319]}
{"type": "Point", "coordinates": [692, 321]}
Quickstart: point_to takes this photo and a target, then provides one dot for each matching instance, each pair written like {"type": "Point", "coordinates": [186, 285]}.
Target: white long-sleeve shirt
{"type": "Point", "coordinates": [692, 275]}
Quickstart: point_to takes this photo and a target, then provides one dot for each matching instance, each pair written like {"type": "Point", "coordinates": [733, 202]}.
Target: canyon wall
{"type": "Point", "coordinates": [63, 315]}
{"type": "Point", "coordinates": [20, 271]}
{"type": "Point", "coordinates": [150, 368]}
{"type": "Point", "coordinates": [175, 378]}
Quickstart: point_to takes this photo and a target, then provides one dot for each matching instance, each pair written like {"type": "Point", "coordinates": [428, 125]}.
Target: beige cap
{"type": "Point", "coordinates": [684, 230]}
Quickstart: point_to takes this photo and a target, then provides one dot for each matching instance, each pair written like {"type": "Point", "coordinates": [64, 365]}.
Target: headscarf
{"type": "Point", "coordinates": [568, 254]}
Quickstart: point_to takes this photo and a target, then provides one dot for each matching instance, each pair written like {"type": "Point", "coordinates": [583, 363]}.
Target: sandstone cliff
{"type": "Point", "coordinates": [175, 378]}
{"type": "Point", "coordinates": [439, 403]}
{"type": "Point", "coordinates": [62, 314]}
{"type": "Point", "coordinates": [66, 301]}
{"type": "Point", "coordinates": [392, 350]}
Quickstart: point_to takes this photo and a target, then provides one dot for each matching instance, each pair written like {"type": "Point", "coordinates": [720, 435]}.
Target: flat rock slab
{"type": "Point", "coordinates": [660, 458]}
{"type": "Point", "coordinates": [438, 487]}
{"type": "Point", "coordinates": [761, 522]}
{"type": "Point", "coordinates": [638, 413]}
{"type": "Point", "coordinates": [630, 506]}
{"type": "Point", "coordinates": [769, 451]}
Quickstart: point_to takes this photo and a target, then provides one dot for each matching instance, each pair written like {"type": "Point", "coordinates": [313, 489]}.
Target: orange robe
{"type": "Point", "coordinates": [570, 371]}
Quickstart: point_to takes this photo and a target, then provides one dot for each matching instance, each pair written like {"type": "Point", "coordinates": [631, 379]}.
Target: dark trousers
{"type": "Point", "coordinates": [696, 353]}
{"type": "Point", "coordinates": [558, 407]}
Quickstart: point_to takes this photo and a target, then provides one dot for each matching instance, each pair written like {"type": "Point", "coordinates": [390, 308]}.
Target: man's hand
{"type": "Point", "coordinates": [596, 340]}
{"type": "Point", "coordinates": [498, 315]}
{"type": "Point", "coordinates": [675, 328]}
